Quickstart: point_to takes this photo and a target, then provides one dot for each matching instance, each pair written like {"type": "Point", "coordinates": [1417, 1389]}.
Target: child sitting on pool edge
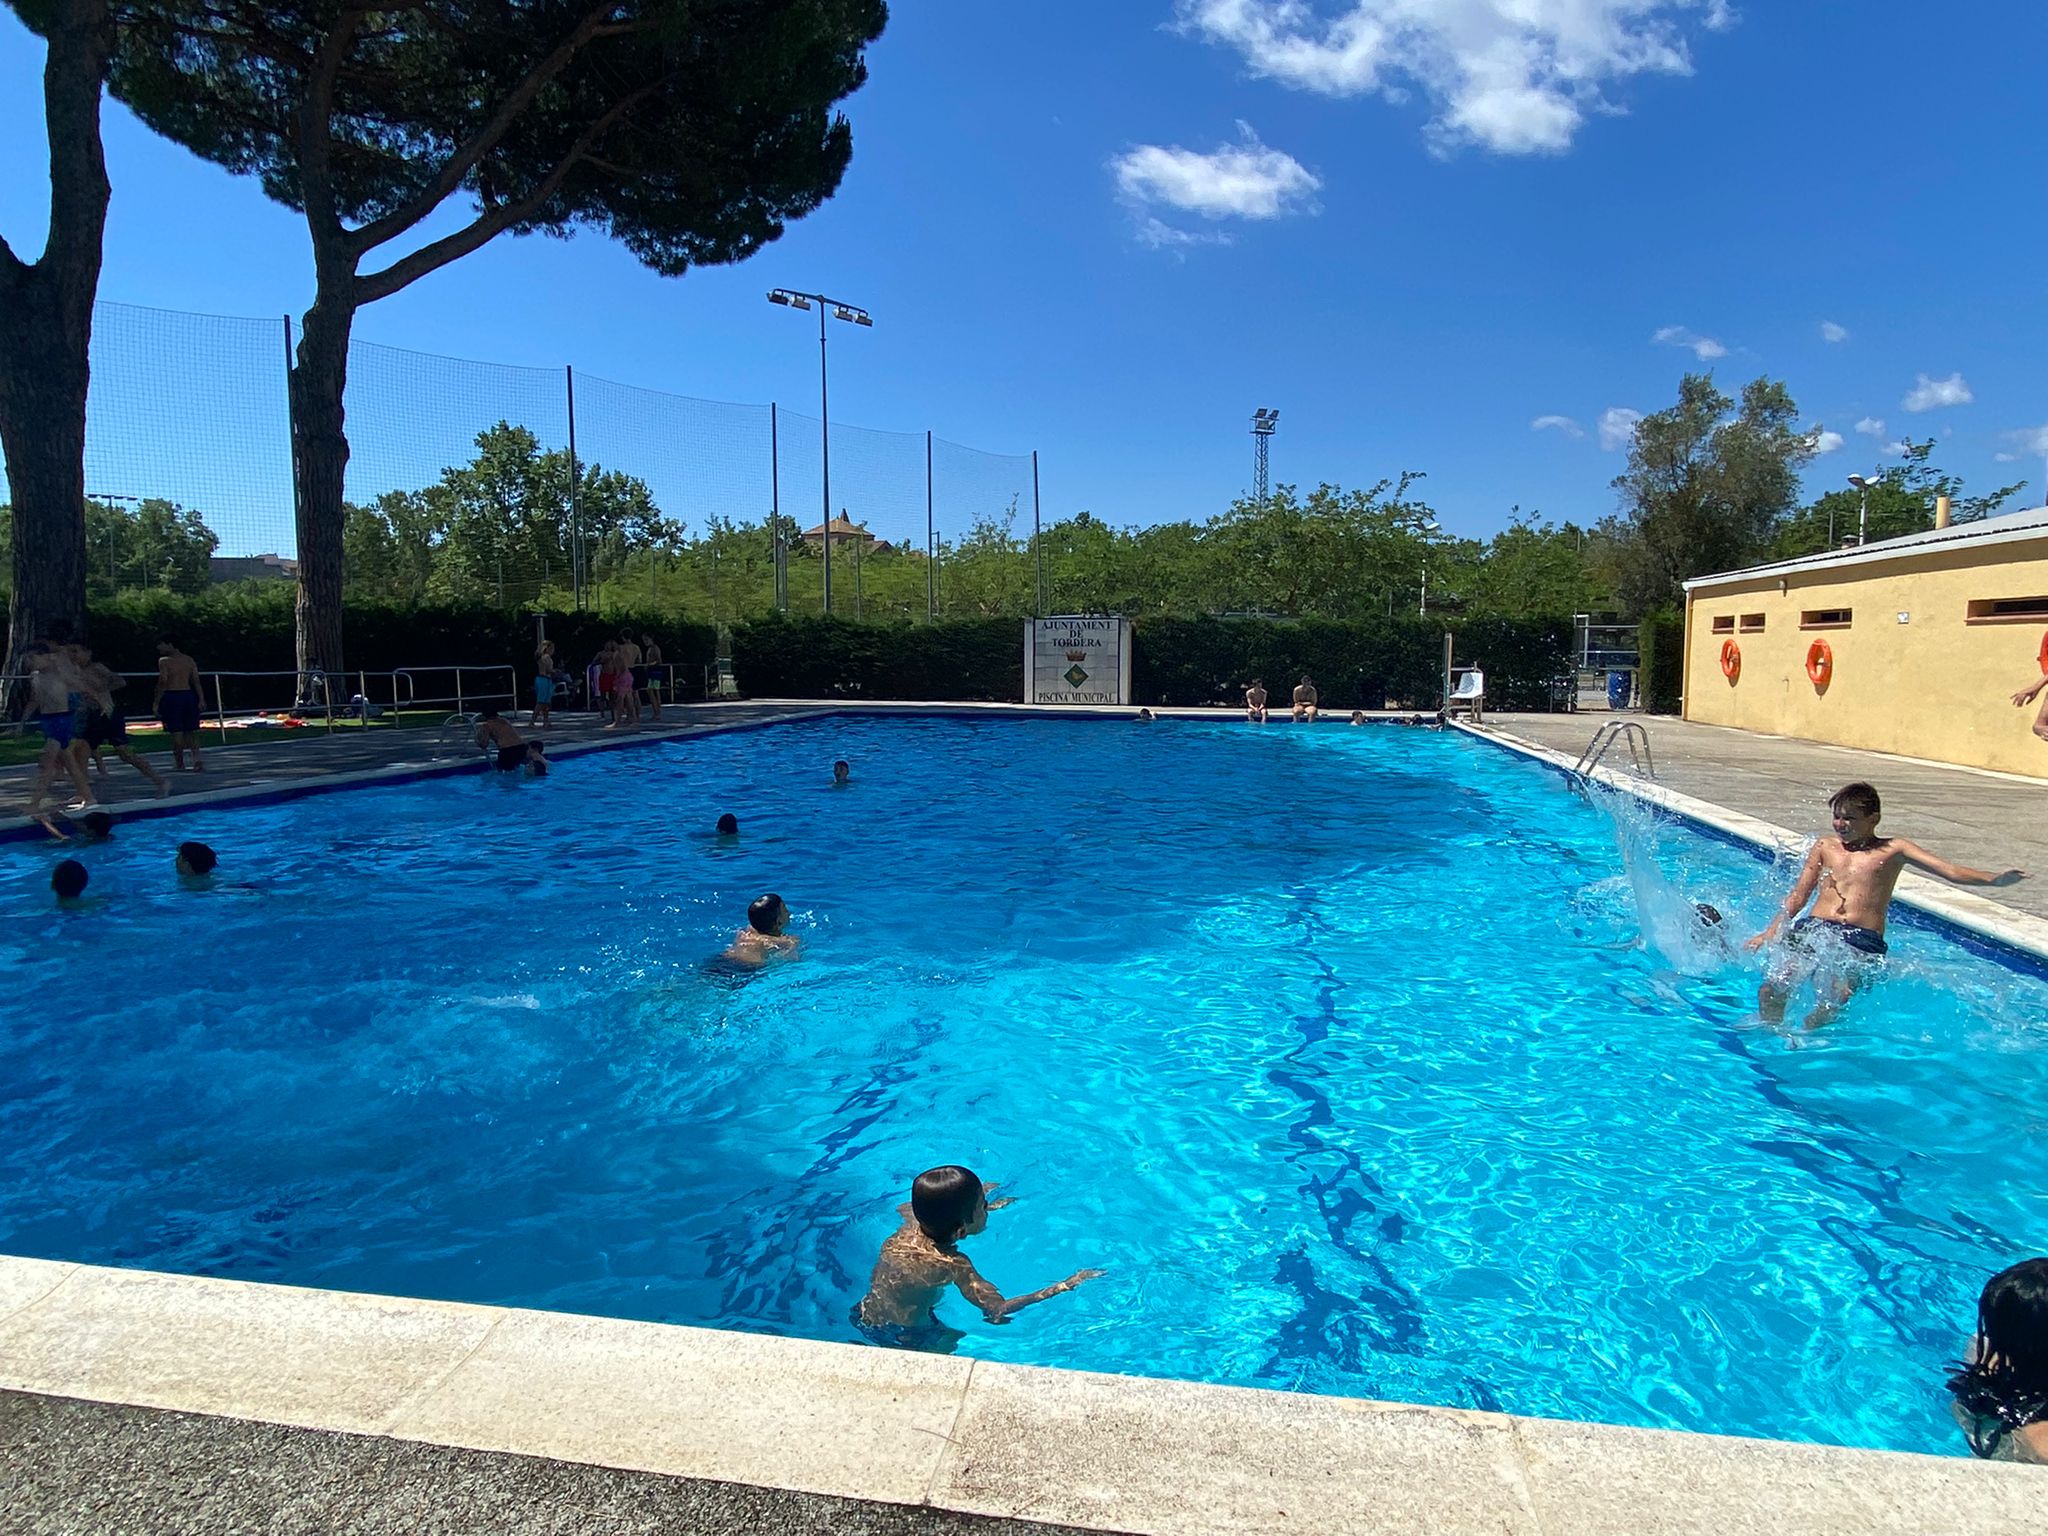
{"type": "Point", "coordinates": [922, 1258]}
{"type": "Point", "coordinates": [2001, 1393]}
{"type": "Point", "coordinates": [1859, 870]}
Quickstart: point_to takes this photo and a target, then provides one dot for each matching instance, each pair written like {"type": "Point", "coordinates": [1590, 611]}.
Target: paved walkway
{"type": "Point", "coordinates": [1990, 820]}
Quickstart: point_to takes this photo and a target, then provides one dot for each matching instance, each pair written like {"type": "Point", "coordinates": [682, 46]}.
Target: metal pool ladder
{"type": "Point", "coordinates": [1629, 731]}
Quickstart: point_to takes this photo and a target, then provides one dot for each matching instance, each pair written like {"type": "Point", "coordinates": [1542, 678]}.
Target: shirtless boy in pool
{"type": "Point", "coordinates": [922, 1258]}
{"type": "Point", "coordinates": [1850, 877]}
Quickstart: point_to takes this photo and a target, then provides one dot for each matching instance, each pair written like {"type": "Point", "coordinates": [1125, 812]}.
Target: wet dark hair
{"type": "Point", "coordinates": [1708, 913]}
{"type": "Point", "coordinates": [487, 714]}
{"type": "Point", "coordinates": [840, 763]}
{"type": "Point", "coordinates": [537, 766]}
{"type": "Point", "coordinates": [2012, 1329]}
{"type": "Point", "coordinates": [728, 822]}
{"type": "Point", "coordinates": [761, 914]}
{"type": "Point", "coordinates": [99, 823]}
{"type": "Point", "coordinates": [943, 1200]}
{"type": "Point", "coordinates": [198, 858]}
{"type": "Point", "coordinates": [68, 880]}
{"type": "Point", "coordinates": [1857, 799]}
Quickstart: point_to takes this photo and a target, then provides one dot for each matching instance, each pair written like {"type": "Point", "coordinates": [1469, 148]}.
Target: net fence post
{"type": "Point", "coordinates": [775, 507]}
{"type": "Point", "coordinates": [1037, 544]}
{"type": "Point", "coordinates": [575, 474]}
{"type": "Point", "coordinates": [931, 543]}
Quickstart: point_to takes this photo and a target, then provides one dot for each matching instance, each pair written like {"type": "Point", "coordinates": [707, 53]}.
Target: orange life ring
{"type": "Point", "coordinates": [2044, 653]}
{"type": "Point", "coordinates": [1731, 660]}
{"type": "Point", "coordinates": [1820, 664]}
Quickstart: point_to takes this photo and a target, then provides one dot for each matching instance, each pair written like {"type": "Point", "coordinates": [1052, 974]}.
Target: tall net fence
{"type": "Point", "coordinates": [518, 486]}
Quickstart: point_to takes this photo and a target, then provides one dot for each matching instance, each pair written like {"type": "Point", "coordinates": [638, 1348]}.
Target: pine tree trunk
{"type": "Point", "coordinates": [46, 338]}
{"type": "Point", "coordinates": [320, 457]}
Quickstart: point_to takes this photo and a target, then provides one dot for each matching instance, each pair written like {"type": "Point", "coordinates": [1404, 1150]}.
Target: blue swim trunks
{"type": "Point", "coordinates": [933, 1338]}
{"type": "Point", "coordinates": [1862, 940]}
{"type": "Point", "coordinates": [57, 726]}
{"type": "Point", "coordinates": [543, 691]}
{"type": "Point", "coordinates": [179, 712]}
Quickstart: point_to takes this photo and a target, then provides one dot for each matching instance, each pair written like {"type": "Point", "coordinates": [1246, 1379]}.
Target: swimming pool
{"type": "Point", "coordinates": [1335, 1047]}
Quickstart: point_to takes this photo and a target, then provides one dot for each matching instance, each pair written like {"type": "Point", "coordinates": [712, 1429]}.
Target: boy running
{"type": "Point", "coordinates": [1850, 878]}
{"type": "Point", "coordinates": [54, 687]}
{"type": "Point", "coordinates": [176, 705]}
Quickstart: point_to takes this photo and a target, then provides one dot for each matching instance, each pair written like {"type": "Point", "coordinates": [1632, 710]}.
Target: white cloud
{"type": "Point", "coordinates": [1895, 450]}
{"type": "Point", "coordinates": [1932, 394]}
{"type": "Point", "coordinates": [1563, 424]}
{"type": "Point", "coordinates": [1705, 348]}
{"type": "Point", "coordinates": [1825, 441]}
{"type": "Point", "coordinates": [1618, 427]}
{"type": "Point", "coordinates": [2030, 441]}
{"type": "Point", "coordinates": [1831, 332]}
{"type": "Point", "coordinates": [1512, 76]}
{"type": "Point", "coordinates": [2005, 458]}
{"type": "Point", "coordinates": [1245, 180]}
{"type": "Point", "coordinates": [1871, 426]}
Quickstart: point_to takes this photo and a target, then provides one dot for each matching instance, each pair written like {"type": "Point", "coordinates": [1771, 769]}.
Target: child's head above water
{"type": "Point", "coordinates": [68, 880]}
{"type": "Point", "coordinates": [728, 824]}
{"type": "Point", "coordinates": [2006, 1385]}
{"type": "Point", "coordinates": [840, 771]}
{"type": "Point", "coordinates": [767, 914]}
{"type": "Point", "coordinates": [196, 859]}
{"type": "Point", "coordinates": [948, 1203]}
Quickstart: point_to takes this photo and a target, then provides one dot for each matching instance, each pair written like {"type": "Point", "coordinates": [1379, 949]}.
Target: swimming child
{"type": "Point", "coordinates": [2001, 1391]}
{"type": "Point", "coordinates": [728, 825]}
{"type": "Point", "coordinates": [841, 773]}
{"type": "Point", "coordinates": [196, 861]}
{"type": "Point", "coordinates": [763, 937]}
{"type": "Point", "coordinates": [1145, 717]}
{"type": "Point", "coordinates": [1358, 717]}
{"type": "Point", "coordinates": [496, 734]}
{"type": "Point", "coordinates": [1850, 876]}
{"type": "Point", "coordinates": [68, 880]}
{"type": "Point", "coordinates": [922, 1259]}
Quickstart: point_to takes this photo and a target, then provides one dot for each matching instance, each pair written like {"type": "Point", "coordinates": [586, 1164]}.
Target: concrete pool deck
{"type": "Point", "coordinates": [349, 1410]}
{"type": "Point", "coordinates": [138, 1401]}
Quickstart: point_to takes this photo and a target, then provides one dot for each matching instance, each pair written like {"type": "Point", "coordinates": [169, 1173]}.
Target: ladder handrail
{"type": "Point", "coordinates": [1639, 752]}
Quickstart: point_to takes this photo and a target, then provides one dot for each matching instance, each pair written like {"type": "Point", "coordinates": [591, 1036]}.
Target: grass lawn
{"type": "Point", "coordinates": [28, 746]}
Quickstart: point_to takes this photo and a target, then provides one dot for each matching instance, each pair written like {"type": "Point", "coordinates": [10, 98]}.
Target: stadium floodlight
{"type": "Point", "coordinates": [1265, 421]}
{"type": "Point", "coordinates": [857, 316]}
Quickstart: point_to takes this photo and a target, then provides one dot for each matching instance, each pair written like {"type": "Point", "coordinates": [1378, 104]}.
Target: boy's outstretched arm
{"type": "Point", "coordinates": [1955, 874]}
{"type": "Point", "coordinates": [1802, 892]}
{"type": "Point", "coordinates": [994, 1305]}
{"type": "Point", "coordinates": [2028, 694]}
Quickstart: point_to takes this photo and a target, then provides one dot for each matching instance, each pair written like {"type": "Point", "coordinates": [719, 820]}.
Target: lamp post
{"type": "Point", "coordinates": [857, 316]}
{"type": "Point", "coordinates": [1265, 422]}
{"type": "Point", "coordinates": [1863, 483]}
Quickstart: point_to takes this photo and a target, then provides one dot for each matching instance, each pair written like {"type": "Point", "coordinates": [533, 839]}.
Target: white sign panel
{"type": "Point", "coordinates": [1077, 661]}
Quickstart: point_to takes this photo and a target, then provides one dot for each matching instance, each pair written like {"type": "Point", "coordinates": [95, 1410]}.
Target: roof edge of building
{"type": "Point", "coordinates": [1968, 537]}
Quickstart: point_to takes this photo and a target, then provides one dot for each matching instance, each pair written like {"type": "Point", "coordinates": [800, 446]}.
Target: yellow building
{"type": "Point", "coordinates": [1912, 645]}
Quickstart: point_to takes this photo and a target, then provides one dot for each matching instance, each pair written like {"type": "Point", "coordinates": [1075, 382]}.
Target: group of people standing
{"type": "Point", "coordinates": [624, 675]}
{"type": "Point", "coordinates": [73, 698]}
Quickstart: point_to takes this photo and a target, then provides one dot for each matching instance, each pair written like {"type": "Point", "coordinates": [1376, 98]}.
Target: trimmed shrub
{"type": "Point", "coordinates": [815, 657]}
{"type": "Point", "coordinates": [1661, 651]}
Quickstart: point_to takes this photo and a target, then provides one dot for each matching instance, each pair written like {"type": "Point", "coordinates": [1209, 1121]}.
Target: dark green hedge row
{"type": "Point", "coordinates": [1364, 665]}
{"type": "Point", "coordinates": [250, 629]}
{"type": "Point", "coordinates": [1661, 643]}
{"type": "Point", "coordinates": [815, 657]}
{"type": "Point", "coordinates": [1177, 661]}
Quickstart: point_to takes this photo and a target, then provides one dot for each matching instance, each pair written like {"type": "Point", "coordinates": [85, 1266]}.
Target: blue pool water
{"type": "Point", "coordinates": [1338, 1049]}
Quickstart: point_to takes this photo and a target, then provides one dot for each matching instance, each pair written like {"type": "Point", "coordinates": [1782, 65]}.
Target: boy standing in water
{"type": "Point", "coordinates": [1850, 878]}
{"type": "Point", "coordinates": [922, 1259]}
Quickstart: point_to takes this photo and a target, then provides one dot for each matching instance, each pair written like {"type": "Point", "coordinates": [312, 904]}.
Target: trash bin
{"type": "Point", "coordinates": [1618, 690]}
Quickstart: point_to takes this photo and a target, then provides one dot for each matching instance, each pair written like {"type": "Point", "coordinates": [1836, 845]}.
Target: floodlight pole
{"type": "Point", "coordinates": [797, 299]}
{"type": "Point", "coordinates": [1265, 422]}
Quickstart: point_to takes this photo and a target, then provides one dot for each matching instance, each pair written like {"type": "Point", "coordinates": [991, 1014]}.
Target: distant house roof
{"type": "Point", "coordinates": [251, 568]}
{"type": "Point", "coordinates": [841, 529]}
{"type": "Point", "coordinates": [2007, 528]}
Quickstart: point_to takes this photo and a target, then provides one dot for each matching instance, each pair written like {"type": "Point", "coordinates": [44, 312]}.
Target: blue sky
{"type": "Point", "coordinates": [1108, 232]}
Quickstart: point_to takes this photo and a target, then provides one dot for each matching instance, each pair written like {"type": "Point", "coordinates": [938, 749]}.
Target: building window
{"type": "Point", "coordinates": [1825, 618]}
{"type": "Point", "coordinates": [2009, 610]}
{"type": "Point", "coordinates": [1752, 624]}
{"type": "Point", "coordinates": [1725, 624]}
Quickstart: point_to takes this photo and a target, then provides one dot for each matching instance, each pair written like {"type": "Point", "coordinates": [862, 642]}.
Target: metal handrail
{"type": "Point", "coordinates": [1629, 731]}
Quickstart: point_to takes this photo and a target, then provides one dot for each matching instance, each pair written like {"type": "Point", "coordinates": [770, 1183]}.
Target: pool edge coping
{"type": "Point", "coordinates": [1153, 1456]}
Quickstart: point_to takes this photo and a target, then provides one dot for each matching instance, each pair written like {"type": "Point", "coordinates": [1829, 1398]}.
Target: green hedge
{"type": "Point", "coordinates": [1176, 662]}
{"type": "Point", "coordinates": [249, 628]}
{"type": "Point", "coordinates": [1661, 643]}
{"type": "Point", "coordinates": [1368, 665]}
{"type": "Point", "coordinates": [815, 657]}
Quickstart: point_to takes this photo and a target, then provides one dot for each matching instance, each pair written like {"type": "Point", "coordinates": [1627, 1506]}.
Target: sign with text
{"type": "Point", "coordinates": [1077, 661]}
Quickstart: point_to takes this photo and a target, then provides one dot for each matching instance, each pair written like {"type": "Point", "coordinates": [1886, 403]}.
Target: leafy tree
{"type": "Point", "coordinates": [1705, 487]}
{"type": "Point", "coordinates": [689, 130]}
{"type": "Point", "coordinates": [46, 329]}
{"type": "Point", "coordinates": [1901, 502]}
{"type": "Point", "coordinates": [159, 544]}
{"type": "Point", "coordinates": [1531, 570]}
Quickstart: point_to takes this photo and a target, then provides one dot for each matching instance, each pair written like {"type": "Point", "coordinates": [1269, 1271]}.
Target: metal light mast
{"type": "Point", "coordinates": [1265, 421]}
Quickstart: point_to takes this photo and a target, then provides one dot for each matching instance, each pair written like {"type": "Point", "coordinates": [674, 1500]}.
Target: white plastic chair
{"type": "Point", "coordinates": [1470, 692]}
